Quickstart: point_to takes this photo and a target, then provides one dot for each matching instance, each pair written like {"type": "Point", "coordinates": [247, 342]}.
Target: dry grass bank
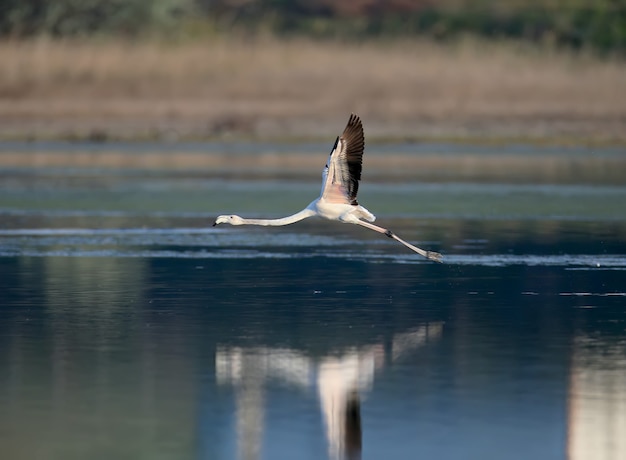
{"type": "Point", "coordinates": [549, 168]}
{"type": "Point", "coordinates": [269, 88]}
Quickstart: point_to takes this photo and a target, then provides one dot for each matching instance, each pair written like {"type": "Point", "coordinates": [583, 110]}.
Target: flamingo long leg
{"type": "Point", "coordinates": [431, 255]}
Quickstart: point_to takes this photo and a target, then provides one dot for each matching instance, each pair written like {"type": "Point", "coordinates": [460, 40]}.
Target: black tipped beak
{"type": "Point", "coordinates": [214, 224]}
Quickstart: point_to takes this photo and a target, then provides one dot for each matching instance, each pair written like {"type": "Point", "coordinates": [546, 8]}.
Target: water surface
{"type": "Point", "coordinates": [129, 328]}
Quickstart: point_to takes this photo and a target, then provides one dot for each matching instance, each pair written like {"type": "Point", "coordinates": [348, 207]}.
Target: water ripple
{"type": "Point", "coordinates": [209, 243]}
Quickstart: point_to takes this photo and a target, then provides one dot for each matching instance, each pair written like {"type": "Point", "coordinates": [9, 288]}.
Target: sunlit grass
{"type": "Point", "coordinates": [273, 88]}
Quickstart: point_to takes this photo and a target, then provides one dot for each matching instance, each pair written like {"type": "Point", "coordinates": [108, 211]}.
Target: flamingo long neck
{"type": "Point", "coordinates": [282, 221]}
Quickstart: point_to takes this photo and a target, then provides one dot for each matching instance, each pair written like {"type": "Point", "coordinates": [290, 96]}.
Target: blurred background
{"type": "Point", "coordinates": [549, 70]}
{"type": "Point", "coordinates": [495, 134]}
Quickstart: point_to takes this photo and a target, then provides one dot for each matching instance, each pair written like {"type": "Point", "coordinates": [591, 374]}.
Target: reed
{"type": "Point", "coordinates": [299, 87]}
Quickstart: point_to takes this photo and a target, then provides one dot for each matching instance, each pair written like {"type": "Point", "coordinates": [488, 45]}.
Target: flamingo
{"type": "Point", "coordinates": [340, 184]}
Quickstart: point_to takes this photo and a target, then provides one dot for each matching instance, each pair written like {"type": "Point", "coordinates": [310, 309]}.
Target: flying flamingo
{"type": "Point", "coordinates": [340, 184]}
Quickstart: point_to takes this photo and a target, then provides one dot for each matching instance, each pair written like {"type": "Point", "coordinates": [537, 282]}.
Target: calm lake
{"type": "Point", "coordinates": [130, 328]}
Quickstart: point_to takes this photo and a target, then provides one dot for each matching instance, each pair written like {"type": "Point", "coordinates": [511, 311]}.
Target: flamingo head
{"type": "Point", "coordinates": [228, 219]}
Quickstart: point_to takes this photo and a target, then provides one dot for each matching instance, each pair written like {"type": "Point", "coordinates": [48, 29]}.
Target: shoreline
{"type": "Point", "coordinates": [429, 164]}
{"type": "Point", "coordinates": [280, 129]}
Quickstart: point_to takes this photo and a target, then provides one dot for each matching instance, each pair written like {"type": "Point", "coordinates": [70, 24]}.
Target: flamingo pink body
{"type": "Point", "coordinates": [340, 184]}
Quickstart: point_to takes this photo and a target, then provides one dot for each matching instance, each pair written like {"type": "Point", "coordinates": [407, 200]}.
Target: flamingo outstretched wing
{"type": "Point", "coordinates": [340, 179]}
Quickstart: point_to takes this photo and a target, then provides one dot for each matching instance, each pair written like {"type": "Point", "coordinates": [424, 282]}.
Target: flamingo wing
{"type": "Point", "coordinates": [340, 183]}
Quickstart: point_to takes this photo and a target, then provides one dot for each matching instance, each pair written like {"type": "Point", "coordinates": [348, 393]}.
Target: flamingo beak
{"type": "Point", "coordinates": [214, 223]}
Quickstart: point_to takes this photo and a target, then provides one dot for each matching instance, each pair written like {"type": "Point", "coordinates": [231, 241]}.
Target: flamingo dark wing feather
{"type": "Point", "coordinates": [353, 141]}
{"type": "Point", "coordinates": [343, 170]}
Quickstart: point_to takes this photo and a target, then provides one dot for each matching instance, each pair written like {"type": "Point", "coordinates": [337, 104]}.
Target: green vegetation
{"type": "Point", "coordinates": [255, 69]}
{"type": "Point", "coordinates": [65, 18]}
{"type": "Point", "coordinates": [599, 25]}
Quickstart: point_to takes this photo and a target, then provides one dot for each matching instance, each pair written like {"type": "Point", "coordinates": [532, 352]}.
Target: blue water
{"type": "Point", "coordinates": [130, 331]}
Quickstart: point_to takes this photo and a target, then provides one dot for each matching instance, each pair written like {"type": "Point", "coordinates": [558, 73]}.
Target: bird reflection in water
{"type": "Point", "coordinates": [597, 399]}
{"type": "Point", "coordinates": [353, 427]}
{"type": "Point", "coordinates": [340, 382]}
{"type": "Point", "coordinates": [342, 379]}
